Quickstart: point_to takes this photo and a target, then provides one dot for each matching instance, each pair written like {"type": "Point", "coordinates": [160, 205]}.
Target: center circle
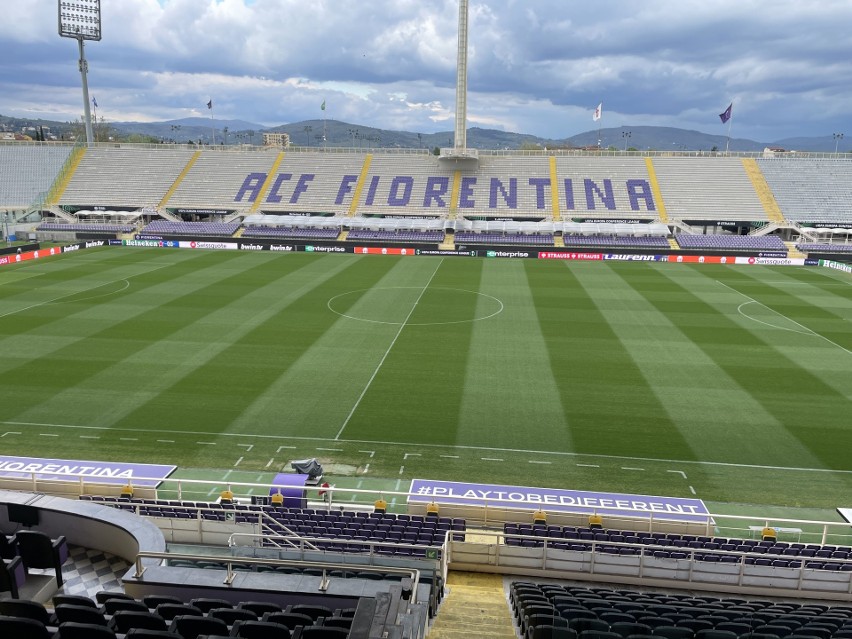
{"type": "Point", "coordinates": [393, 305]}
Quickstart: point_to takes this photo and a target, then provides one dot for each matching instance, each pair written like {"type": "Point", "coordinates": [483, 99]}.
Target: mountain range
{"type": "Point", "coordinates": [334, 133]}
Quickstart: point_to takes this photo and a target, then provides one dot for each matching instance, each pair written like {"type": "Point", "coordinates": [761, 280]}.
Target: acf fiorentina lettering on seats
{"type": "Point", "coordinates": [474, 192]}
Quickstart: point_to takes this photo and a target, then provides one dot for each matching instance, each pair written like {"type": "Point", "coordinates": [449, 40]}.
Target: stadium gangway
{"type": "Point", "coordinates": [229, 561]}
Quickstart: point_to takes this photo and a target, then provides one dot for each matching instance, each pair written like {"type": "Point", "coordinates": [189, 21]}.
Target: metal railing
{"type": "Point", "coordinates": [228, 563]}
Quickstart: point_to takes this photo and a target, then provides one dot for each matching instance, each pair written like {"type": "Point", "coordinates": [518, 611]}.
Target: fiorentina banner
{"type": "Point", "coordinates": [558, 500]}
{"type": "Point", "coordinates": [95, 471]}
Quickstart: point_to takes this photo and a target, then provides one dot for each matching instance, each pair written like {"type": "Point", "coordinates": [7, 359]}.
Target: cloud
{"type": "Point", "coordinates": [534, 67]}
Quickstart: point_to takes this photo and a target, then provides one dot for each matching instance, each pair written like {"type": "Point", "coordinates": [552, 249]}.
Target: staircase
{"type": "Point", "coordinates": [475, 607]}
{"type": "Point", "coordinates": [792, 251]}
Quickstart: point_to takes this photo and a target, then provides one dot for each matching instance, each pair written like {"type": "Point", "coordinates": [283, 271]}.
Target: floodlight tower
{"type": "Point", "coordinates": [461, 79]}
{"type": "Point", "coordinates": [81, 20]}
{"type": "Point", "coordinates": [459, 153]}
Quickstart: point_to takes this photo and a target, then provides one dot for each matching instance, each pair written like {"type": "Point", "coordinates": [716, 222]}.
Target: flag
{"type": "Point", "coordinates": [94, 102]}
{"type": "Point", "coordinates": [210, 104]}
{"type": "Point", "coordinates": [597, 114]}
{"type": "Point", "coordinates": [322, 107]}
{"type": "Point", "coordinates": [726, 114]}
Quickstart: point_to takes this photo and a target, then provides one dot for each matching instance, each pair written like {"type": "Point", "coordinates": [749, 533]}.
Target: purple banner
{"type": "Point", "coordinates": [95, 471]}
{"type": "Point", "coordinates": [558, 500]}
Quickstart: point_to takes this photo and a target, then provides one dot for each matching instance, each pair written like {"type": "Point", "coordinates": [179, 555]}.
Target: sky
{"type": "Point", "coordinates": [535, 66]}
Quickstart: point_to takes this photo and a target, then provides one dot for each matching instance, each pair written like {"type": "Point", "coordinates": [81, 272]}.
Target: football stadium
{"type": "Point", "coordinates": [306, 392]}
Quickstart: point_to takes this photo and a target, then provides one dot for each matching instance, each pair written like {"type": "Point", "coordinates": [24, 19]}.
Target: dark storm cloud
{"type": "Point", "coordinates": [536, 66]}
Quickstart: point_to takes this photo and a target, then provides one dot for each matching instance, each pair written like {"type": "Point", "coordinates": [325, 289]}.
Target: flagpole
{"type": "Point", "coordinates": [95, 109]}
{"type": "Point", "coordinates": [212, 125]}
{"type": "Point", "coordinates": [728, 141]}
{"type": "Point", "coordinates": [323, 124]}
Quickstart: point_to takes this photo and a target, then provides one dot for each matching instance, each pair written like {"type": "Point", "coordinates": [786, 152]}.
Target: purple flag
{"type": "Point", "coordinates": [726, 114]}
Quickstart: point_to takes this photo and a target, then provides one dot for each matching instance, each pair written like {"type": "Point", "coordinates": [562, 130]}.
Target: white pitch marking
{"type": "Point", "coordinates": [270, 462]}
{"type": "Point", "coordinates": [807, 330]}
{"type": "Point", "coordinates": [693, 490]}
{"type": "Point", "coordinates": [371, 452]}
{"type": "Point", "coordinates": [407, 455]}
{"type": "Point", "coordinates": [537, 461]}
{"type": "Point", "coordinates": [91, 288]}
{"type": "Point", "coordinates": [450, 456]}
{"type": "Point", "coordinates": [631, 468]}
{"type": "Point", "coordinates": [526, 451]}
{"type": "Point", "coordinates": [206, 443]}
{"type": "Point", "coordinates": [92, 437]}
{"type": "Point", "coordinates": [335, 450]}
{"type": "Point", "coordinates": [48, 435]}
{"type": "Point", "coordinates": [387, 352]}
{"type": "Point", "coordinates": [166, 441]}
{"type": "Point", "coordinates": [10, 432]}
{"type": "Point", "coordinates": [248, 447]}
{"type": "Point", "coordinates": [401, 469]}
{"type": "Point", "coordinates": [679, 472]}
{"type": "Point", "coordinates": [589, 465]}
{"type": "Point", "coordinates": [280, 448]}
{"type": "Point", "coordinates": [490, 459]}
{"type": "Point", "coordinates": [237, 463]}
{"type": "Point", "coordinates": [129, 439]}
{"type": "Point", "coordinates": [366, 469]}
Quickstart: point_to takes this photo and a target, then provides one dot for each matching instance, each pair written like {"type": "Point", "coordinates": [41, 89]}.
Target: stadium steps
{"type": "Point", "coordinates": [65, 175]}
{"type": "Point", "coordinates": [343, 235]}
{"type": "Point", "coordinates": [239, 232]}
{"type": "Point", "coordinates": [792, 251]}
{"type": "Point", "coordinates": [558, 241]}
{"type": "Point", "coordinates": [449, 243]}
{"type": "Point", "coordinates": [673, 243]}
{"type": "Point", "coordinates": [764, 192]}
{"type": "Point", "coordinates": [475, 607]}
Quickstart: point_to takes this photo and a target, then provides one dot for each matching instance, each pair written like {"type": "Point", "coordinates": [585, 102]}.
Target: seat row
{"type": "Point", "coordinates": [114, 615]}
{"type": "Point", "coordinates": [677, 541]}
{"type": "Point", "coordinates": [633, 614]}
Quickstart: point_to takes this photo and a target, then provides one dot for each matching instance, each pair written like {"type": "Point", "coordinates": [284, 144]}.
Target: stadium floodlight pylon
{"type": "Point", "coordinates": [81, 20]}
{"type": "Point", "coordinates": [459, 150]}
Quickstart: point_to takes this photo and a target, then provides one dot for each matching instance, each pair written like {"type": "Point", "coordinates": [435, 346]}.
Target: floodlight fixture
{"type": "Point", "coordinates": [81, 20]}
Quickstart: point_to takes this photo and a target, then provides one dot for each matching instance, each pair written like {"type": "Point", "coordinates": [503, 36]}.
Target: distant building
{"type": "Point", "coordinates": [772, 151]}
{"type": "Point", "coordinates": [276, 139]}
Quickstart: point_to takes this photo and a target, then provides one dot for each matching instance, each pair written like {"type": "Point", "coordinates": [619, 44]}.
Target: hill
{"type": "Point", "coordinates": [334, 133]}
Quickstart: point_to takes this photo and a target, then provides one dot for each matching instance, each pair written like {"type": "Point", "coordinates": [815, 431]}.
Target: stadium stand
{"type": "Point", "coordinates": [677, 546]}
{"type": "Point", "coordinates": [710, 188]}
{"type": "Point", "coordinates": [29, 170]}
{"type": "Point", "coordinates": [730, 242]}
{"type": "Point", "coordinates": [617, 187]}
{"type": "Point", "coordinates": [815, 247]}
{"type": "Point", "coordinates": [167, 227]}
{"type": "Point", "coordinates": [124, 176]}
{"type": "Point", "coordinates": [587, 612]}
{"type": "Point", "coordinates": [82, 227]}
{"type": "Point", "coordinates": [811, 190]}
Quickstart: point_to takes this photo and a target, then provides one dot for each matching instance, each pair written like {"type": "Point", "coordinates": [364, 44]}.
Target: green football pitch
{"type": "Point", "coordinates": [728, 383]}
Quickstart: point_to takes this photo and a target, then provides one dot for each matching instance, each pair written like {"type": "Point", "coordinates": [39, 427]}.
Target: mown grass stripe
{"type": "Point", "coordinates": [417, 395]}
{"type": "Point", "coordinates": [807, 410]}
{"type": "Point", "coordinates": [511, 395]}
